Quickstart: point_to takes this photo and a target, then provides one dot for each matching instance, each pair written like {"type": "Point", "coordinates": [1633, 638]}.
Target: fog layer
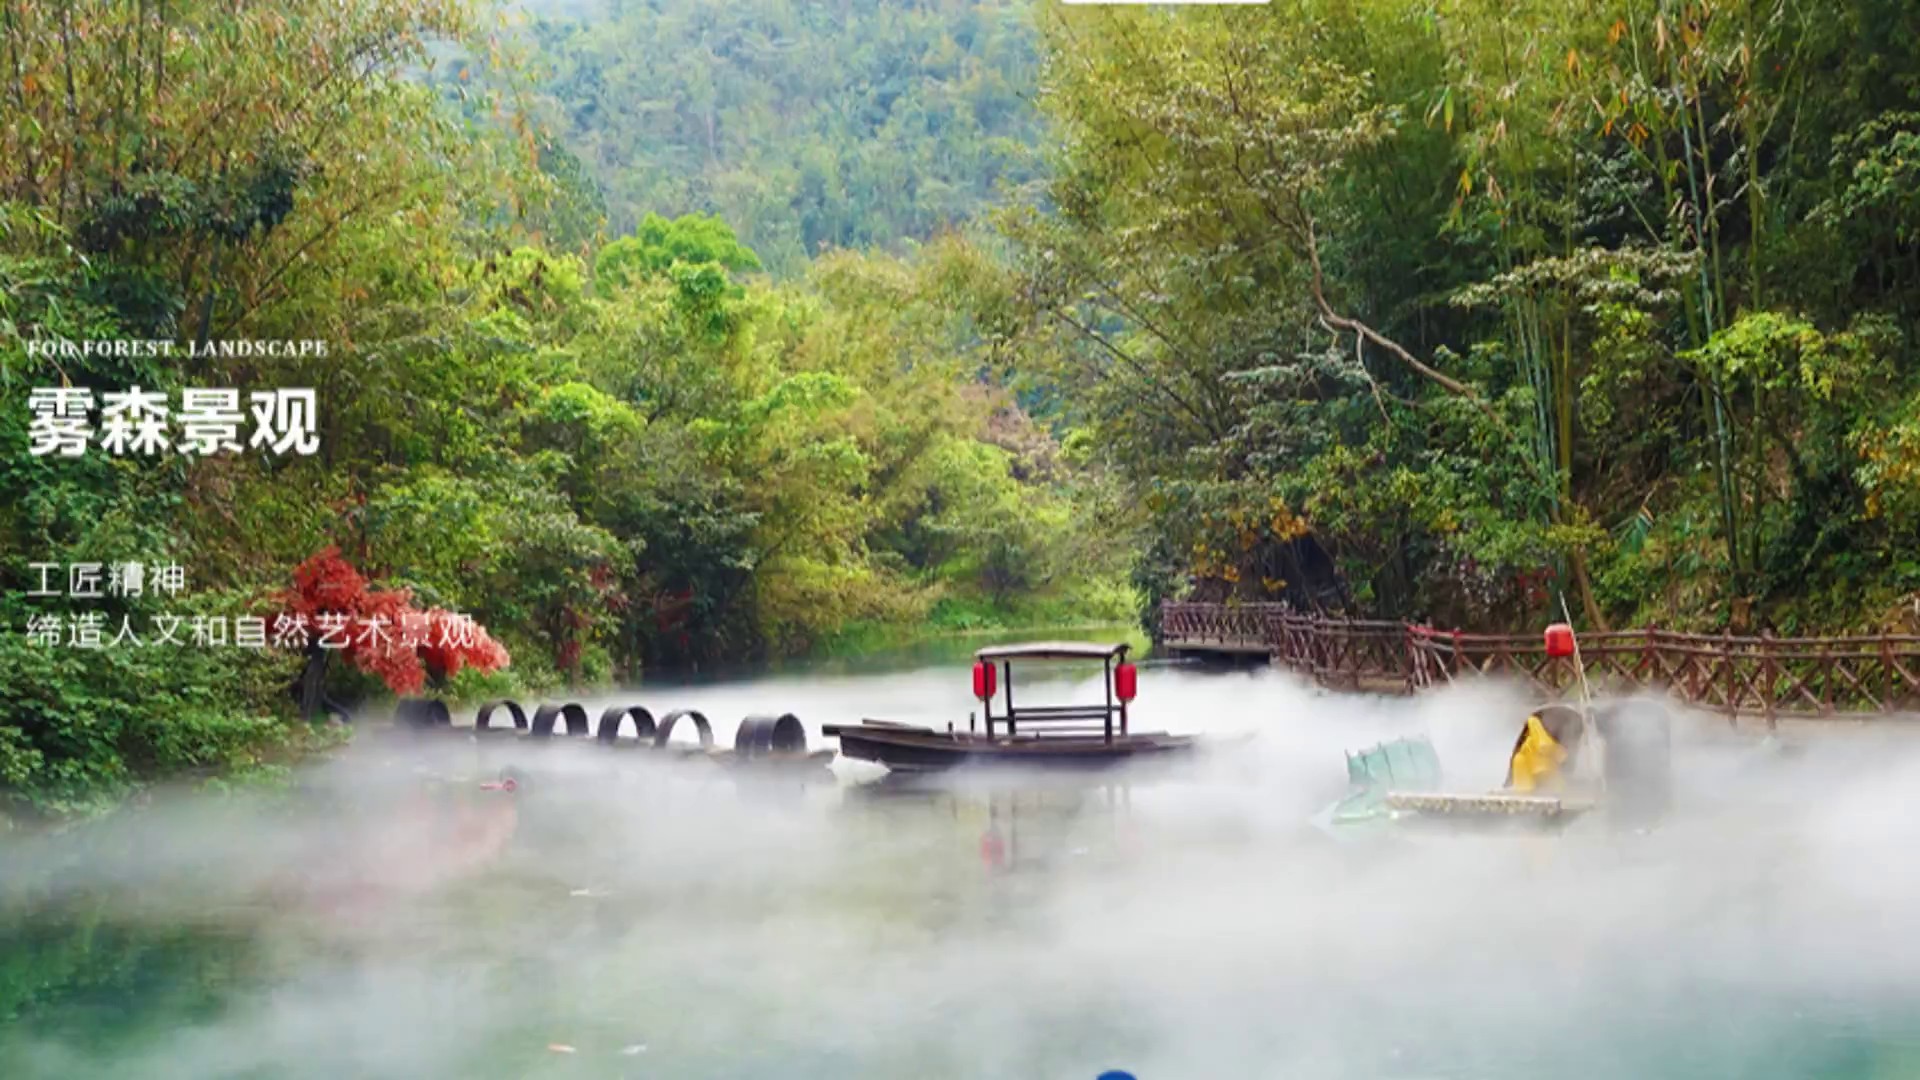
{"type": "Point", "coordinates": [624, 915]}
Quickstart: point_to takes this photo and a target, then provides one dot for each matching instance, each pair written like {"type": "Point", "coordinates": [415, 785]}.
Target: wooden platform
{"type": "Point", "coordinates": [1251, 647]}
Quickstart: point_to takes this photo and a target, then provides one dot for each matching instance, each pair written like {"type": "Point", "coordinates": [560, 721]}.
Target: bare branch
{"type": "Point", "coordinates": [1140, 369]}
{"type": "Point", "coordinates": [1368, 333]}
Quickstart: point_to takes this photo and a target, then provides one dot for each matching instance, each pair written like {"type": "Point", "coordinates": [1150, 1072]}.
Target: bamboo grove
{"type": "Point", "coordinates": [1508, 303]}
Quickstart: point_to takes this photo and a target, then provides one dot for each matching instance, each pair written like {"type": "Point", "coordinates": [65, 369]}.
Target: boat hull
{"type": "Point", "coordinates": [906, 749]}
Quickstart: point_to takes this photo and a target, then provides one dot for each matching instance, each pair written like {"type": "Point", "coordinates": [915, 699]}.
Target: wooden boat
{"type": "Point", "coordinates": [1052, 736]}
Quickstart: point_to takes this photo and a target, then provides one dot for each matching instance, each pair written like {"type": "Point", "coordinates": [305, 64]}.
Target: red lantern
{"type": "Point", "coordinates": [1126, 682]}
{"type": "Point", "coordinates": [1559, 640]}
{"type": "Point", "coordinates": [983, 680]}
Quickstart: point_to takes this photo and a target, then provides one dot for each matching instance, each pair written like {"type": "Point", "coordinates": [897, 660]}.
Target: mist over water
{"type": "Point", "coordinates": [625, 916]}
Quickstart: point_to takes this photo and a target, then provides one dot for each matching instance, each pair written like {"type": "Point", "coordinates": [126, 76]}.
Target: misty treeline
{"type": "Point", "coordinates": [807, 126]}
{"type": "Point", "coordinates": [682, 331]}
{"type": "Point", "coordinates": [618, 446]}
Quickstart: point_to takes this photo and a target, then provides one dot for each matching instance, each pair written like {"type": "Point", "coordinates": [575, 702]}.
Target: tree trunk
{"type": "Point", "coordinates": [1594, 618]}
{"type": "Point", "coordinates": [309, 690]}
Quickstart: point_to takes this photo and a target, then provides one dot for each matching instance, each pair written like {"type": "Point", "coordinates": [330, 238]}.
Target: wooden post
{"type": "Point", "coordinates": [1726, 657]}
{"type": "Point", "coordinates": [1893, 681]}
{"type": "Point", "coordinates": [1107, 668]}
{"type": "Point", "coordinates": [1769, 677]}
{"type": "Point", "coordinates": [1006, 673]}
{"type": "Point", "coordinates": [1826, 678]}
{"type": "Point", "coordinates": [1346, 665]}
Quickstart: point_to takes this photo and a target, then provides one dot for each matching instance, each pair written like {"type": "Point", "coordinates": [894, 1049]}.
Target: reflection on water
{"type": "Point", "coordinates": [617, 915]}
{"type": "Point", "coordinates": [1019, 824]}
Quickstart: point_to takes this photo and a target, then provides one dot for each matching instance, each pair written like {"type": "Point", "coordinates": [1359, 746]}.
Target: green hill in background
{"type": "Point", "coordinates": [807, 126]}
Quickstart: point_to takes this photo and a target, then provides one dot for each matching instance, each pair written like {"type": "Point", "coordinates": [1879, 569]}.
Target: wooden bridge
{"type": "Point", "coordinates": [1768, 677]}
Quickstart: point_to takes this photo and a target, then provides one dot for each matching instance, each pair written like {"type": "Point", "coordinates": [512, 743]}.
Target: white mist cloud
{"type": "Point", "coordinates": [680, 919]}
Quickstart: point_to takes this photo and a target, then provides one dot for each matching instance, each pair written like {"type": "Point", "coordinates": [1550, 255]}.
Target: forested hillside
{"type": "Point", "coordinates": [808, 126]}
{"type": "Point", "coordinates": [628, 453]}
{"type": "Point", "coordinates": [1489, 304]}
{"type": "Point", "coordinates": [650, 345]}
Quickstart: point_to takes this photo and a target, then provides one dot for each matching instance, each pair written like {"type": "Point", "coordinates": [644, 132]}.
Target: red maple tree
{"type": "Point", "coordinates": [383, 633]}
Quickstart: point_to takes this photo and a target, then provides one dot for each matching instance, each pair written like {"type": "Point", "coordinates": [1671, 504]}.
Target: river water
{"type": "Point", "coordinates": [621, 916]}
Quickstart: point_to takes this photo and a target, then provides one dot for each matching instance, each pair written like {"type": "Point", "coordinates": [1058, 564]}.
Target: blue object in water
{"type": "Point", "coordinates": [1115, 1074]}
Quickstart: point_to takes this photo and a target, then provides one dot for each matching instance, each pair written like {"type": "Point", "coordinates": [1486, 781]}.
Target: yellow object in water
{"type": "Point", "coordinates": [1537, 761]}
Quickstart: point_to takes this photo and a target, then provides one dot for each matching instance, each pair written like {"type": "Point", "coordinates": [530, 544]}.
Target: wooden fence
{"type": "Point", "coordinates": [1769, 677]}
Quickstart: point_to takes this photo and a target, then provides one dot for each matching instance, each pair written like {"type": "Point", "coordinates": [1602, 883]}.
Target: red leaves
{"type": "Point", "coordinates": [454, 641]}
{"type": "Point", "coordinates": [386, 635]}
{"type": "Point", "coordinates": [399, 668]}
{"type": "Point", "coordinates": [326, 583]}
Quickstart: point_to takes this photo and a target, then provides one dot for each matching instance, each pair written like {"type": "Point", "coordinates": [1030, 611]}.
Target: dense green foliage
{"type": "Point", "coordinates": [807, 126]}
{"type": "Point", "coordinates": [1492, 303]}
{"type": "Point", "coordinates": [645, 453]}
{"type": "Point", "coordinates": [668, 332]}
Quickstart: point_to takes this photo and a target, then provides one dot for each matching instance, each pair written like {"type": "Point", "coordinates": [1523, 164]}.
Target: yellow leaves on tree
{"type": "Point", "coordinates": [1890, 469]}
{"type": "Point", "coordinates": [1234, 542]}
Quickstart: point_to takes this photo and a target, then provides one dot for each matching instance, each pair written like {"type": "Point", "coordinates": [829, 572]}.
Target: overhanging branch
{"type": "Point", "coordinates": [1338, 321]}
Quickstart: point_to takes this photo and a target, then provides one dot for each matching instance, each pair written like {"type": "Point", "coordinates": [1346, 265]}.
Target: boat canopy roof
{"type": "Point", "coordinates": [1053, 650]}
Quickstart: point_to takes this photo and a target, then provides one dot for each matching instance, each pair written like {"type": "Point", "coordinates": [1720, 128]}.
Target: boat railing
{"type": "Point", "coordinates": [1061, 719]}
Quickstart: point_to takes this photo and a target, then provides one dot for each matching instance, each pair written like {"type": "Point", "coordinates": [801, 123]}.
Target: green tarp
{"type": "Point", "coordinates": [1406, 765]}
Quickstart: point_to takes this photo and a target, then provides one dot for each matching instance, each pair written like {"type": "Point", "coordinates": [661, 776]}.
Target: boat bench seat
{"type": "Point", "coordinates": [1062, 720]}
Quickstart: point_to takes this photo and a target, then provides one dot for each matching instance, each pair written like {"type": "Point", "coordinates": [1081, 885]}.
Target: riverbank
{"type": "Point", "coordinates": [262, 752]}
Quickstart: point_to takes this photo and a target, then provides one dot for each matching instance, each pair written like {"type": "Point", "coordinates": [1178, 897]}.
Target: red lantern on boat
{"type": "Point", "coordinates": [983, 680]}
{"type": "Point", "coordinates": [1559, 640]}
{"type": "Point", "coordinates": [1126, 682]}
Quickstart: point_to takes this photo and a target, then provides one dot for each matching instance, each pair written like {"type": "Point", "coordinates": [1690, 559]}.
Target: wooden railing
{"type": "Point", "coordinates": [1232, 628]}
{"type": "Point", "coordinates": [1763, 676]}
